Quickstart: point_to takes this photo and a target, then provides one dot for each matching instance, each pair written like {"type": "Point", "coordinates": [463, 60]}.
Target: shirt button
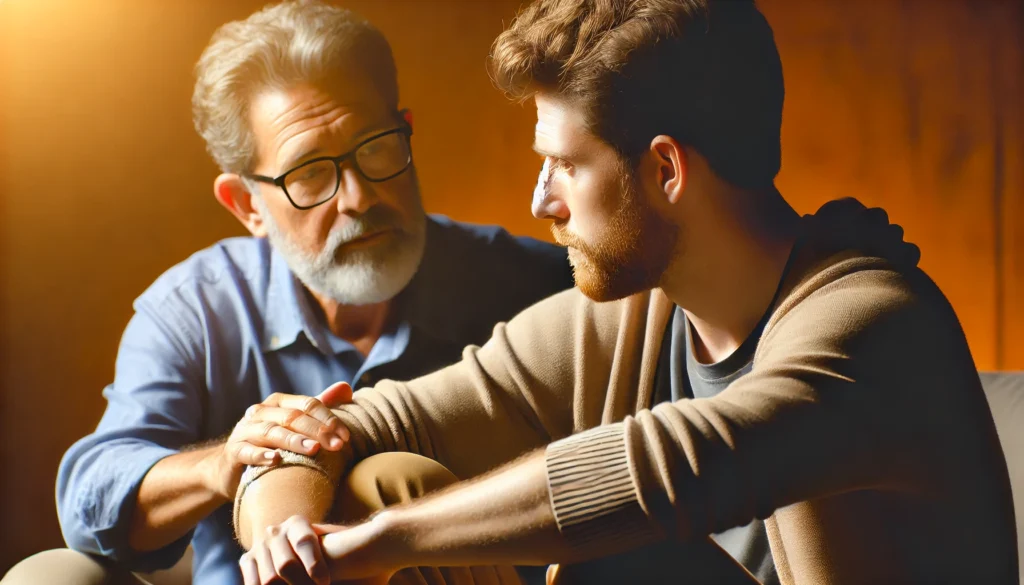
{"type": "Point", "coordinates": [366, 380]}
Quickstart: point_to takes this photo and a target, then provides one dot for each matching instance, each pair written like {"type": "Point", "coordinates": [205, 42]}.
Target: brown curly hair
{"type": "Point", "coordinates": [705, 72]}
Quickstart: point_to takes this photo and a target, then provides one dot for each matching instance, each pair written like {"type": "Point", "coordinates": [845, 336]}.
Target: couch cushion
{"type": "Point", "coordinates": [1005, 393]}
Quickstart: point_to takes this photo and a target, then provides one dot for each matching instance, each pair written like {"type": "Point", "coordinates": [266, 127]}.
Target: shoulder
{"type": "Point", "coordinates": [487, 266]}
{"type": "Point", "coordinates": [480, 241]}
{"type": "Point", "coordinates": [227, 269]}
{"type": "Point", "coordinates": [865, 305]}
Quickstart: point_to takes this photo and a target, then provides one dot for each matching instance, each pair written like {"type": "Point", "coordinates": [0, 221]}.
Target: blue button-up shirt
{"type": "Point", "coordinates": [230, 326]}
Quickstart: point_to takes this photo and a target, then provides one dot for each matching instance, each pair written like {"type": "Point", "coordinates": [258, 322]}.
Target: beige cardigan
{"type": "Point", "coordinates": [862, 433]}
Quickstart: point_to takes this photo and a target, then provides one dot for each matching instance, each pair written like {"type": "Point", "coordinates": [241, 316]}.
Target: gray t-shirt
{"type": "Point", "coordinates": [680, 376]}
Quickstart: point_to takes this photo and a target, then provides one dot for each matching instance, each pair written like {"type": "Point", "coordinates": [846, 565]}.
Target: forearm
{"type": "Point", "coordinates": [274, 497]}
{"type": "Point", "coordinates": [504, 518]}
{"type": "Point", "coordinates": [174, 496]}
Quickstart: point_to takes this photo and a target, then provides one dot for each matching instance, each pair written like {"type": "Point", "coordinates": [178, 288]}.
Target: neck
{"type": "Point", "coordinates": [740, 247]}
{"type": "Point", "coordinates": [360, 325]}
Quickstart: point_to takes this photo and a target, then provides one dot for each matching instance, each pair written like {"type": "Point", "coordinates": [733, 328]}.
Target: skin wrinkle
{"type": "Point", "coordinates": [308, 127]}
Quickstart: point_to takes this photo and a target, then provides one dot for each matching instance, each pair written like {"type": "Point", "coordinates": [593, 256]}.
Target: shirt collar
{"type": "Point", "coordinates": [287, 312]}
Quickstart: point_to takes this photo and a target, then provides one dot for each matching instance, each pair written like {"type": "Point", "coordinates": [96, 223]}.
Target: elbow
{"type": "Point", "coordinates": [80, 536]}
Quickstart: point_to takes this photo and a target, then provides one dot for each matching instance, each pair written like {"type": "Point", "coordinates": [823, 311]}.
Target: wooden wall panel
{"type": "Point", "coordinates": [104, 184]}
{"type": "Point", "coordinates": [892, 103]}
{"type": "Point", "coordinates": [1008, 53]}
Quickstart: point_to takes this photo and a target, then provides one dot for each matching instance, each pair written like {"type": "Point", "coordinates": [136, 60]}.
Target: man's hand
{"type": "Point", "coordinates": [299, 553]}
{"type": "Point", "coordinates": [300, 424]}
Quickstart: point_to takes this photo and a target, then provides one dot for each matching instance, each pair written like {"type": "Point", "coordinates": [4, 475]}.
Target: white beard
{"type": "Point", "coordinates": [361, 277]}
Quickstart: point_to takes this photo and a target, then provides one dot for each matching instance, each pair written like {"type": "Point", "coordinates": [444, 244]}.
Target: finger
{"type": "Point", "coordinates": [322, 529]}
{"type": "Point", "coordinates": [294, 426]}
{"type": "Point", "coordinates": [336, 394]}
{"type": "Point", "coordinates": [339, 393]}
{"type": "Point", "coordinates": [250, 573]}
{"type": "Point", "coordinates": [307, 404]}
{"type": "Point", "coordinates": [248, 454]}
{"type": "Point", "coordinates": [265, 564]}
{"type": "Point", "coordinates": [268, 435]}
{"type": "Point", "coordinates": [306, 415]}
{"type": "Point", "coordinates": [286, 564]}
{"type": "Point", "coordinates": [306, 544]}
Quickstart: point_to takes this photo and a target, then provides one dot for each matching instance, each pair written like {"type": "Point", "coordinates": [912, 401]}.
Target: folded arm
{"type": "Point", "coordinates": [806, 423]}
{"type": "Point", "coordinates": [513, 395]}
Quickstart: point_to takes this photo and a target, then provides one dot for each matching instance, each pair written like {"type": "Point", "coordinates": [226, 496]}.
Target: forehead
{"type": "Point", "coordinates": [302, 116]}
{"type": "Point", "coordinates": [561, 129]}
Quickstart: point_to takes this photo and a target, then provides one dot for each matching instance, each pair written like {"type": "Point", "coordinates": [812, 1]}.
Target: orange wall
{"type": "Point", "coordinates": [910, 105]}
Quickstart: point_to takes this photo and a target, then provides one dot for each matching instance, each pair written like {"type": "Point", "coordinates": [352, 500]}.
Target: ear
{"type": "Point", "coordinates": [231, 191]}
{"type": "Point", "coordinates": [407, 116]}
{"type": "Point", "coordinates": [671, 161]}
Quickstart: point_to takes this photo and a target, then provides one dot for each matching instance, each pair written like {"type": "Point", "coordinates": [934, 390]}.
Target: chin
{"type": "Point", "coordinates": [603, 286]}
{"type": "Point", "coordinates": [368, 275]}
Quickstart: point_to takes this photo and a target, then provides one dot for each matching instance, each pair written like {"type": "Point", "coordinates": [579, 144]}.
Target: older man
{"type": "Point", "coordinates": [345, 279]}
{"type": "Point", "coordinates": [723, 359]}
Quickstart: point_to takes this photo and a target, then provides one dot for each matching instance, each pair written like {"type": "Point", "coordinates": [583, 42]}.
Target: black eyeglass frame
{"type": "Point", "coordinates": [279, 180]}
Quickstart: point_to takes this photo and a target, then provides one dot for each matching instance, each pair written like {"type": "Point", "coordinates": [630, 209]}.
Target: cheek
{"type": "Point", "coordinates": [307, 229]}
{"type": "Point", "coordinates": [310, 232]}
{"type": "Point", "coordinates": [593, 203]}
{"type": "Point", "coordinates": [400, 195]}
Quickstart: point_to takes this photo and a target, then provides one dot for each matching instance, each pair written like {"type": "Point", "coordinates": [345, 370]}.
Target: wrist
{"type": "Point", "coordinates": [218, 476]}
{"type": "Point", "coordinates": [375, 549]}
{"type": "Point", "coordinates": [393, 539]}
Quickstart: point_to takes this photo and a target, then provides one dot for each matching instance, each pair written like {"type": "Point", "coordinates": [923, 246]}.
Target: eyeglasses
{"type": "Point", "coordinates": [379, 158]}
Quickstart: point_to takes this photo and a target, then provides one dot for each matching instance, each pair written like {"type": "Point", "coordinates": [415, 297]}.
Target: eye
{"type": "Point", "coordinates": [558, 164]}
{"type": "Point", "coordinates": [311, 172]}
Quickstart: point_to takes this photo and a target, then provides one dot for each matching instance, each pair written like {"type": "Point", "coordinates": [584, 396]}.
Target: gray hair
{"type": "Point", "coordinates": [283, 44]}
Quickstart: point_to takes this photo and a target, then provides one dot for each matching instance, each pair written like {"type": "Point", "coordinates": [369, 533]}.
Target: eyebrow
{"type": "Point", "coordinates": [552, 154]}
{"type": "Point", "coordinates": [363, 133]}
{"type": "Point", "coordinates": [297, 160]}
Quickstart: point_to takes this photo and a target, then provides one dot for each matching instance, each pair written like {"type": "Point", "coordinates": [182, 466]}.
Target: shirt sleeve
{"type": "Point", "coordinates": [826, 409]}
{"type": "Point", "coordinates": [153, 410]}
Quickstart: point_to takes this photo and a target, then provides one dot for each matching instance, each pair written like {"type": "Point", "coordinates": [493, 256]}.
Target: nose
{"type": "Point", "coordinates": [550, 208]}
{"type": "Point", "coordinates": [355, 194]}
{"type": "Point", "coordinates": [546, 204]}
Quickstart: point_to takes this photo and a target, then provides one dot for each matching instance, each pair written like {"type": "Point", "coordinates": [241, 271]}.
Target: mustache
{"type": "Point", "coordinates": [377, 218]}
{"type": "Point", "coordinates": [566, 238]}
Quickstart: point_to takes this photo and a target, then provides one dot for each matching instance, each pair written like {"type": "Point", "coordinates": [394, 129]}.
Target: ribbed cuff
{"type": "Point", "coordinates": [592, 491]}
{"type": "Point", "coordinates": [252, 473]}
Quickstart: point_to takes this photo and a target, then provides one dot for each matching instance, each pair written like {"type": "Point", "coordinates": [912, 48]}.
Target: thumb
{"type": "Point", "coordinates": [336, 395]}
{"type": "Point", "coordinates": [324, 529]}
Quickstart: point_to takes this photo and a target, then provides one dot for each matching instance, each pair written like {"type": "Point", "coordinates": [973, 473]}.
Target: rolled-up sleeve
{"type": "Point", "coordinates": [153, 410]}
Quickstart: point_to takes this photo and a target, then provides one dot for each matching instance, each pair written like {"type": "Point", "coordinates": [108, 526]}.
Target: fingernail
{"type": "Point", "coordinates": [269, 455]}
{"type": "Point", "coordinates": [335, 443]}
{"type": "Point", "coordinates": [309, 444]}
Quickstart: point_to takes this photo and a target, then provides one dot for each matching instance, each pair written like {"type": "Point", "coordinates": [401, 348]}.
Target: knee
{"type": "Point", "coordinates": [389, 479]}
{"type": "Point", "coordinates": [59, 566]}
